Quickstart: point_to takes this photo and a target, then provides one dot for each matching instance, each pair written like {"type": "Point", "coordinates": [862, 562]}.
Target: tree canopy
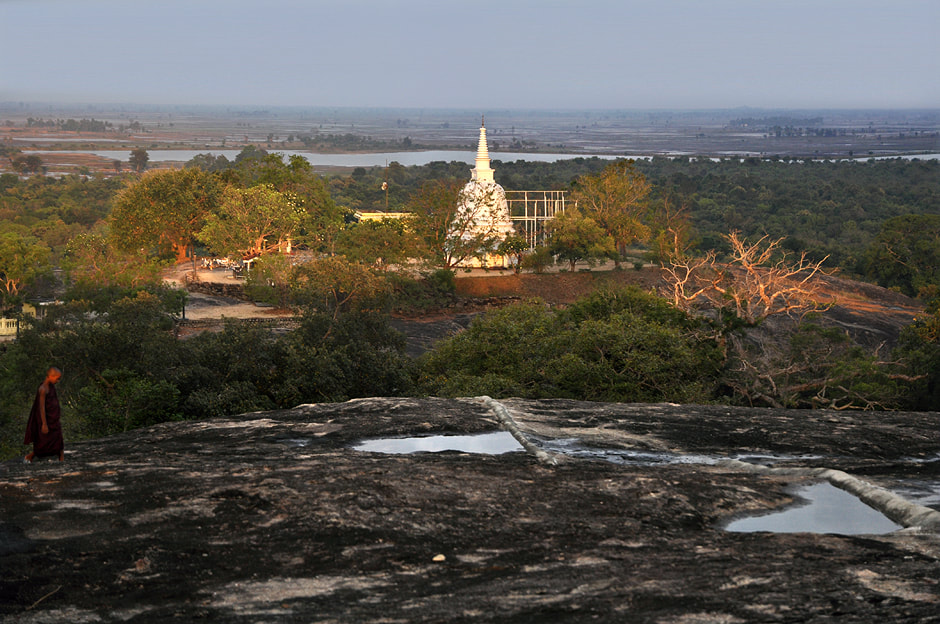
{"type": "Point", "coordinates": [23, 260]}
{"type": "Point", "coordinates": [574, 237]}
{"type": "Point", "coordinates": [610, 346]}
{"type": "Point", "coordinates": [616, 200]}
{"type": "Point", "coordinates": [906, 255]}
{"type": "Point", "coordinates": [445, 234]}
{"type": "Point", "coordinates": [164, 210]}
{"type": "Point", "coordinates": [250, 222]}
{"type": "Point", "coordinates": [138, 159]}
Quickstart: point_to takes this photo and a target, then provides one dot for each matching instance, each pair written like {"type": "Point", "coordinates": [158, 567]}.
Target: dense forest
{"type": "Point", "coordinates": [98, 244]}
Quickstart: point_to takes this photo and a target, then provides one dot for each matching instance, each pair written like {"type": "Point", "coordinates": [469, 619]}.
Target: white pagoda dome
{"type": "Point", "coordinates": [482, 210]}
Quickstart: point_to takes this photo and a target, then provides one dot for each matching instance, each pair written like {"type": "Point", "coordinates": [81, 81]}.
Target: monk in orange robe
{"type": "Point", "coordinates": [44, 429]}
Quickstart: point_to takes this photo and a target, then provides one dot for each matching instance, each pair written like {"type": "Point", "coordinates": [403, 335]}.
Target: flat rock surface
{"type": "Point", "coordinates": [275, 517]}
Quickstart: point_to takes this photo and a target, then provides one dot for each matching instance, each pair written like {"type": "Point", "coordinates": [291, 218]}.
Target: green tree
{"type": "Point", "coordinates": [539, 260]}
{"type": "Point", "coordinates": [138, 159]}
{"type": "Point", "coordinates": [432, 209]}
{"type": "Point", "coordinates": [338, 358]}
{"type": "Point", "coordinates": [918, 352]}
{"type": "Point", "coordinates": [573, 238]}
{"type": "Point", "coordinates": [450, 235]}
{"type": "Point", "coordinates": [333, 285]}
{"type": "Point", "coordinates": [379, 243]}
{"type": "Point", "coordinates": [616, 200]}
{"type": "Point", "coordinates": [515, 248]}
{"type": "Point", "coordinates": [270, 280]}
{"type": "Point", "coordinates": [121, 400]}
{"type": "Point", "coordinates": [210, 162]}
{"type": "Point", "coordinates": [239, 369]}
{"type": "Point", "coordinates": [92, 260]}
{"type": "Point", "coordinates": [26, 163]}
{"type": "Point", "coordinates": [86, 339]}
{"type": "Point", "coordinates": [618, 346]}
{"type": "Point", "coordinates": [23, 261]}
{"type": "Point", "coordinates": [500, 354]}
{"type": "Point", "coordinates": [321, 219]}
{"type": "Point", "coordinates": [164, 211]}
{"type": "Point", "coordinates": [251, 222]}
{"type": "Point", "coordinates": [906, 254]}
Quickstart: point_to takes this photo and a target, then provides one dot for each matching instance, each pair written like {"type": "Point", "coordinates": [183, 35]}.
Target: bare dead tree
{"type": "Point", "coordinates": [760, 280]}
{"type": "Point", "coordinates": [687, 276]}
{"type": "Point", "coordinates": [687, 279]}
{"type": "Point", "coordinates": [674, 227]}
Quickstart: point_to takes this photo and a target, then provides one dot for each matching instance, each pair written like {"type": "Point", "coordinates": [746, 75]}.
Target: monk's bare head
{"type": "Point", "coordinates": [53, 375]}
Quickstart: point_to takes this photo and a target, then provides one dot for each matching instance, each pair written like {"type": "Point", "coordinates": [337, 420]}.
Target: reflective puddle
{"type": "Point", "coordinates": [826, 509]}
{"type": "Point", "coordinates": [485, 443]}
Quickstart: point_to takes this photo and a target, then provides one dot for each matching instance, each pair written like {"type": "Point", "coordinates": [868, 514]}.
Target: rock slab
{"type": "Point", "coordinates": [273, 517]}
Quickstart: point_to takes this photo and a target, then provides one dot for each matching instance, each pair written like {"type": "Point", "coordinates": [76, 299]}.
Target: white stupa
{"type": "Point", "coordinates": [482, 210]}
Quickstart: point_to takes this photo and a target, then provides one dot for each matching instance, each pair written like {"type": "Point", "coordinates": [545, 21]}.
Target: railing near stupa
{"type": "Point", "coordinates": [530, 210]}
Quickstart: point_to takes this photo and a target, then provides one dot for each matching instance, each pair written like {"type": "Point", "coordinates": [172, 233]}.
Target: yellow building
{"type": "Point", "coordinates": [379, 216]}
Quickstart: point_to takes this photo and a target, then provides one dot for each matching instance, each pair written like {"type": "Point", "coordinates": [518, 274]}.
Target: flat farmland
{"type": "Point", "coordinates": [718, 134]}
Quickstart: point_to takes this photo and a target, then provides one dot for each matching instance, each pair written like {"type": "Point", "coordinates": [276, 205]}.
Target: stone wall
{"type": "Point", "coordinates": [236, 290]}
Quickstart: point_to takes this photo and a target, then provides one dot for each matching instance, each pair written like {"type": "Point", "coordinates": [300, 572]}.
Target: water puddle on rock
{"type": "Point", "coordinates": [820, 508]}
{"type": "Point", "coordinates": [825, 509]}
{"type": "Point", "coordinates": [485, 443]}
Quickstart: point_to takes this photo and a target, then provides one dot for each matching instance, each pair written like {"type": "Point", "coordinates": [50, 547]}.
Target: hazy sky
{"type": "Point", "coordinates": [487, 54]}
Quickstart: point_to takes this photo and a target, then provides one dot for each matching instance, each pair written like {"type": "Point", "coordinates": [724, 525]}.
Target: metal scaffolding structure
{"type": "Point", "coordinates": [529, 210]}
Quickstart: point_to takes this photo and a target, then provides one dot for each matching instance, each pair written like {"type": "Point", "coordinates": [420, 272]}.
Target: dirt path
{"type": "Point", "coordinates": [207, 307]}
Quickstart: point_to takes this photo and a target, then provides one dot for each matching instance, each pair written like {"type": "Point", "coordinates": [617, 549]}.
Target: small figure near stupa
{"type": "Point", "coordinates": [482, 211]}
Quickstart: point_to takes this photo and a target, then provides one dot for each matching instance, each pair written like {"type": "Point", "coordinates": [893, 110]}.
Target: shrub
{"type": "Point", "coordinates": [539, 260]}
{"type": "Point", "coordinates": [433, 290]}
{"type": "Point", "coordinates": [616, 346]}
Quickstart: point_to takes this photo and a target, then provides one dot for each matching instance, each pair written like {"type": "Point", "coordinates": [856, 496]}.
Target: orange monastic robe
{"type": "Point", "coordinates": [45, 444]}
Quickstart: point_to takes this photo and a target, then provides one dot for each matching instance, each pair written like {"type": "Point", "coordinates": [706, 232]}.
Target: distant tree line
{"type": "Point", "coordinates": [70, 125]}
{"type": "Point", "coordinates": [340, 142]}
{"type": "Point", "coordinates": [775, 121]}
